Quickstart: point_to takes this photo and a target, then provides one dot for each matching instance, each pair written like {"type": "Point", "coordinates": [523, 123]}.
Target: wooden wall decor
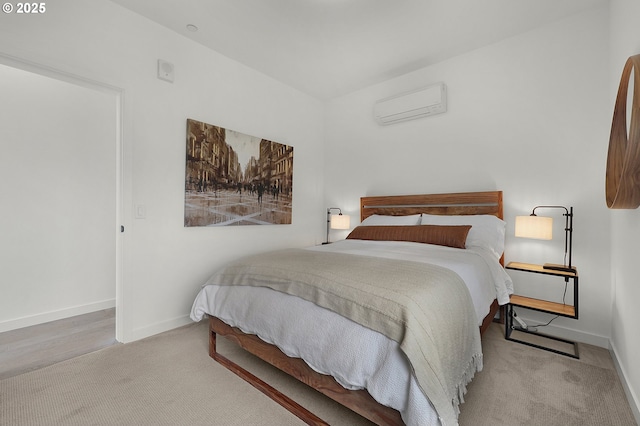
{"type": "Point", "coordinates": [623, 160]}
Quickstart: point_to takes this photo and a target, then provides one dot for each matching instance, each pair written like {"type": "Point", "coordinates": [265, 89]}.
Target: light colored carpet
{"type": "Point", "coordinates": [169, 379]}
{"type": "Point", "coordinates": [520, 385]}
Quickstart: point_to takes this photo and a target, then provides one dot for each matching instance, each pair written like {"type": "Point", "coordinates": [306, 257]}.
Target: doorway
{"type": "Point", "coordinates": [60, 186]}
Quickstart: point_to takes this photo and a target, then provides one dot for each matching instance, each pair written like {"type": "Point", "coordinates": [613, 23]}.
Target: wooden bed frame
{"type": "Point", "coordinates": [360, 401]}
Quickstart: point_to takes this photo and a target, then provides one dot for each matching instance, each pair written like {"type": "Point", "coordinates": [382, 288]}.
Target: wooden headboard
{"type": "Point", "coordinates": [461, 203]}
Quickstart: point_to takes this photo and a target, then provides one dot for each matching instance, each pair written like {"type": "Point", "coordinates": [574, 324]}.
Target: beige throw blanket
{"type": "Point", "coordinates": [427, 309]}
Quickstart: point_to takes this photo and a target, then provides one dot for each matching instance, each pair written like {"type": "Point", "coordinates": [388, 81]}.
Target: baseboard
{"type": "Point", "coordinates": [579, 336]}
{"type": "Point", "coordinates": [634, 402]}
{"type": "Point", "coordinates": [569, 333]}
{"type": "Point", "coordinates": [14, 324]}
{"type": "Point", "coordinates": [159, 327]}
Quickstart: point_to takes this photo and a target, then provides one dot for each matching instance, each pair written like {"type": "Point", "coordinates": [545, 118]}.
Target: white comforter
{"type": "Point", "coordinates": [355, 356]}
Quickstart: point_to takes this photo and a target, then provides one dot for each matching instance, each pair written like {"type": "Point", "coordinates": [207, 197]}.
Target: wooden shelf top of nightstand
{"type": "Point", "coordinates": [530, 267]}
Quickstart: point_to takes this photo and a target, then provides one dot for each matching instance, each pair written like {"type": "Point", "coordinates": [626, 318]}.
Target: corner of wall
{"type": "Point", "coordinates": [632, 398]}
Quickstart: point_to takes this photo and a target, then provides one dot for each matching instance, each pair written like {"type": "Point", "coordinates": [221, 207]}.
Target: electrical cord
{"type": "Point", "coordinates": [534, 327]}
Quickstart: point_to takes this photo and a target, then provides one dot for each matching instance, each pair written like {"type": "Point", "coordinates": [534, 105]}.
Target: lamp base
{"type": "Point", "coordinates": [556, 267]}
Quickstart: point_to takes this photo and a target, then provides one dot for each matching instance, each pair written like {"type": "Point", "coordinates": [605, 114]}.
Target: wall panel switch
{"type": "Point", "coordinates": [141, 211]}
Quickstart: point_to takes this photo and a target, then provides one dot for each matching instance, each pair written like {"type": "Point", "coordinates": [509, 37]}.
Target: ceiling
{"type": "Point", "coordinates": [328, 48]}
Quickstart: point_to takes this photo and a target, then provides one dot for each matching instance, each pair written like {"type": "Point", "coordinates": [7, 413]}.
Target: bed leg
{"type": "Point", "coordinates": [212, 342]}
{"type": "Point", "coordinates": [502, 316]}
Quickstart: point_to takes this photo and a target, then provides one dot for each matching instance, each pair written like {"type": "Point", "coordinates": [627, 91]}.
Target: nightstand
{"type": "Point", "coordinates": [561, 309]}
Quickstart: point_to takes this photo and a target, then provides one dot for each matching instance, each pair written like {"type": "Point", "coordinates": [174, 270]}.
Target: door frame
{"type": "Point", "coordinates": [121, 173]}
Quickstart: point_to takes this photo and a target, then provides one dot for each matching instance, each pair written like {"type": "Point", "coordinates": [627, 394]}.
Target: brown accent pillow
{"type": "Point", "coordinates": [442, 235]}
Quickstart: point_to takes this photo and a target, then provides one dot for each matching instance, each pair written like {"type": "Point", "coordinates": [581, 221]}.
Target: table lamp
{"type": "Point", "coordinates": [336, 221]}
{"type": "Point", "coordinates": [541, 227]}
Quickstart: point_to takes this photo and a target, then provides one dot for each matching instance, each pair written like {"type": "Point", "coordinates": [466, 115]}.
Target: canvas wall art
{"type": "Point", "coordinates": [236, 179]}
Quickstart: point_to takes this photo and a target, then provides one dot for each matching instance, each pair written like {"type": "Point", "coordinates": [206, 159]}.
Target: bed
{"type": "Point", "coordinates": [344, 347]}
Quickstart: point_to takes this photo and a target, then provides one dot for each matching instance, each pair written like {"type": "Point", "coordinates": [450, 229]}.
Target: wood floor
{"type": "Point", "coordinates": [31, 348]}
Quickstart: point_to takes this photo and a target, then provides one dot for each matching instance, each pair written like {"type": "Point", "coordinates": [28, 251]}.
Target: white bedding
{"type": "Point", "coordinates": [355, 356]}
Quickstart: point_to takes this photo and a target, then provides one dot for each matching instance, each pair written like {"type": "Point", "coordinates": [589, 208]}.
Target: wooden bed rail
{"type": "Point", "coordinates": [359, 401]}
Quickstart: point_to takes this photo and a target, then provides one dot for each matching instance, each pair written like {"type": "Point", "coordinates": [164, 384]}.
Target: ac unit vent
{"type": "Point", "coordinates": [418, 103]}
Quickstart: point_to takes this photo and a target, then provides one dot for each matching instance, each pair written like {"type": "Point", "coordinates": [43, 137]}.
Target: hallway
{"type": "Point", "coordinates": [38, 346]}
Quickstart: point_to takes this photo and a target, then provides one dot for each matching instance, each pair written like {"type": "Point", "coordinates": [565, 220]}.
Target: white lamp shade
{"type": "Point", "coordinates": [340, 221]}
{"type": "Point", "coordinates": [538, 227]}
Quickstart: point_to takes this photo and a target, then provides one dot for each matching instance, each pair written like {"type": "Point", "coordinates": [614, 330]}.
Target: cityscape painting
{"type": "Point", "coordinates": [236, 179]}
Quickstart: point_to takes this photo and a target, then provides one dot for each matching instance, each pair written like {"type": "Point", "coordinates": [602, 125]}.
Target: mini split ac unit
{"type": "Point", "coordinates": [418, 103]}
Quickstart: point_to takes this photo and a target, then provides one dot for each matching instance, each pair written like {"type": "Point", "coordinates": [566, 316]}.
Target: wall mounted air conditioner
{"type": "Point", "coordinates": [418, 103]}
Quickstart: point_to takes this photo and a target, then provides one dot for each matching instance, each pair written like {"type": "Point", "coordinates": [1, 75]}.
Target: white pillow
{"type": "Point", "coordinates": [378, 219]}
{"type": "Point", "coordinates": [486, 230]}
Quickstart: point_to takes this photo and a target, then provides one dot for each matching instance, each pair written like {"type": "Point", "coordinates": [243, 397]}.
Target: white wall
{"type": "Point", "coordinates": [625, 339]}
{"type": "Point", "coordinates": [58, 189]}
{"type": "Point", "coordinates": [529, 116]}
{"type": "Point", "coordinates": [164, 263]}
